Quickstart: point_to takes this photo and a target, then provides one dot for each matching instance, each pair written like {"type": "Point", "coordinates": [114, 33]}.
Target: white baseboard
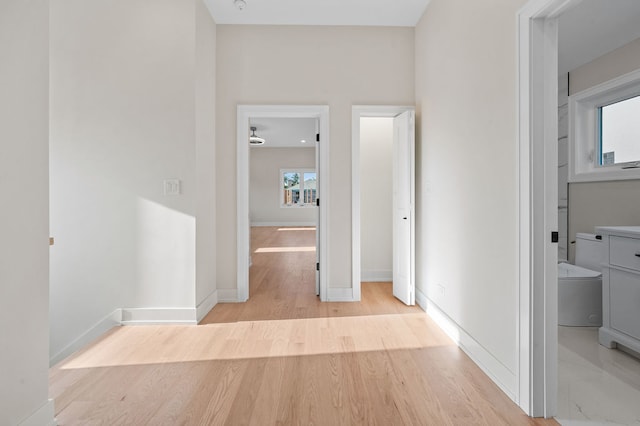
{"type": "Point", "coordinates": [340, 295]}
{"type": "Point", "coordinates": [290, 224]}
{"type": "Point", "coordinates": [490, 365]}
{"type": "Point", "coordinates": [228, 295]}
{"type": "Point", "coordinates": [105, 324]}
{"type": "Point", "coordinates": [44, 416]}
{"type": "Point", "coordinates": [149, 316]}
{"type": "Point", "coordinates": [421, 299]}
{"type": "Point", "coordinates": [206, 305]}
{"type": "Point", "coordinates": [138, 316]}
{"type": "Point", "coordinates": [376, 275]}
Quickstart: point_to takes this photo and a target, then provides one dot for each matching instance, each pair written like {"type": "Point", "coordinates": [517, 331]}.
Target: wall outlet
{"type": "Point", "coordinates": [440, 290]}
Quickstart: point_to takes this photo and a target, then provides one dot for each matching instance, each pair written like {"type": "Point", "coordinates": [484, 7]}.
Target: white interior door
{"type": "Point", "coordinates": [403, 207]}
{"type": "Point", "coordinates": [317, 208]}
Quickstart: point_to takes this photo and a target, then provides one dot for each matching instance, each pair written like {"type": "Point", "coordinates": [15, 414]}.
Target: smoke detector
{"type": "Point", "coordinates": [255, 140]}
{"type": "Point", "coordinates": [240, 4]}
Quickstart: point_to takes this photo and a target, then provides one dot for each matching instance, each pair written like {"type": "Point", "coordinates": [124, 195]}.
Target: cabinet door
{"type": "Point", "coordinates": [624, 294]}
{"type": "Point", "coordinates": [625, 252]}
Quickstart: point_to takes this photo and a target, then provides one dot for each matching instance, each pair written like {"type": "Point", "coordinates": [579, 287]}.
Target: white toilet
{"type": "Point", "coordinates": [580, 285]}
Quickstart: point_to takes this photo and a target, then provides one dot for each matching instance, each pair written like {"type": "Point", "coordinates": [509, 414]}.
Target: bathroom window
{"type": "Point", "coordinates": [298, 188]}
{"type": "Point", "coordinates": [619, 125]}
{"type": "Point", "coordinates": [604, 131]}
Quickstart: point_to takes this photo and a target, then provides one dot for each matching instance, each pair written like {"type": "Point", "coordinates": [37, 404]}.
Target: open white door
{"type": "Point", "coordinates": [403, 207]}
{"type": "Point", "coordinates": [317, 208]}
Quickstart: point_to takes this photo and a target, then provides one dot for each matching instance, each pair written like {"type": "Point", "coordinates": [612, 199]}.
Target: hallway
{"type": "Point", "coordinates": [283, 358]}
{"type": "Point", "coordinates": [282, 283]}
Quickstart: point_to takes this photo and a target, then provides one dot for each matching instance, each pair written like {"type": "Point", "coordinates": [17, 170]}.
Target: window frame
{"type": "Point", "coordinates": [584, 130]}
{"type": "Point", "coordinates": [301, 172]}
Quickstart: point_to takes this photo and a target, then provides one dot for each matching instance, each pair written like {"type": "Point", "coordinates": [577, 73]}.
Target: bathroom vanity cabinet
{"type": "Point", "coordinates": [620, 287]}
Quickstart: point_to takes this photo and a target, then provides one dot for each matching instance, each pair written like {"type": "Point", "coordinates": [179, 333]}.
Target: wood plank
{"type": "Point", "coordinates": [283, 358]}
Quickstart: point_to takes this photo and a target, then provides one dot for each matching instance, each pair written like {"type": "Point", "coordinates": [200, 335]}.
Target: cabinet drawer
{"type": "Point", "coordinates": [625, 252]}
{"type": "Point", "coordinates": [624, 297]}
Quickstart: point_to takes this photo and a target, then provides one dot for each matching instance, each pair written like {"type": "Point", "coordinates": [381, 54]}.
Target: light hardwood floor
{"type": "Point", "coordinates": [283, 358]}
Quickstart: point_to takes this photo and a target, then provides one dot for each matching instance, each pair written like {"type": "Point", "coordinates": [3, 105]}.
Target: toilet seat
{"type": "Point", "coordinates": [569, 271]}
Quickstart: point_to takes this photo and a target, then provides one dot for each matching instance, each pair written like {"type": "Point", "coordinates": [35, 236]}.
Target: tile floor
{"type": "Point", "coordinates": [596, 385]}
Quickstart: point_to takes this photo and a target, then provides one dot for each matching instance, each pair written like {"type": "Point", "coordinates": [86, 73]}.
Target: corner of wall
{"type": "Point", "coordinates": [44, 416]}
{"type": "Point", "coordinates": [228, 295]}
{"type": "Point", "coordinates": [114, 319]}
{"type": "Point", "coordinates": [206, 305]}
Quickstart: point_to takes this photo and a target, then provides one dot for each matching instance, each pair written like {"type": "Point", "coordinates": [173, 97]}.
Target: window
{"type": "Point", "coordinates": [619, 125]}
{"type": "Point", "coordinates": [604, 131]}
{"type": "Point", "coordinates": [298, 188]}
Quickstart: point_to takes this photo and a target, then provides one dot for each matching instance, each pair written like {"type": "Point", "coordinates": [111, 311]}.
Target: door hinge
{"type": "Point", "coordinates": [317, 137]}
{"type": "Point", "coordinates": [554, 236]}
{"type": "Point", "coordinates": [317, 202]}
{"type": "Point", "coordinates": [317, 266]}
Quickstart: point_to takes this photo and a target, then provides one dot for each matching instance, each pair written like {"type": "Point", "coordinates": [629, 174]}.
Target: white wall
{"type": "Point", "coordinates": [205, 92]}
{"type": "Point", "coordinates": [265, 185]}
{"type": "Point", "coordinates": [467, 178]}
{"type": "Point", "coordinates": [131, 105]}
{"type": "Point", "coordinates": [609, 203]}
{"type": "Point", "coordinates": [335, 66]}
{"type": "Point", "coordinates": [376, 198]}
{"type": "Point", "coordinates": [614, 64]}
{"type": "Point", "coordinates": [24, 213]}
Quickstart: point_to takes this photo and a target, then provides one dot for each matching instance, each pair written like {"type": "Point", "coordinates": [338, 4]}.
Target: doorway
{"type": "Point", "coordinates": [538, 56]}
{"type": "Point", "coordinates": [283, 206]}
{"type": "Point", "coordinates": [396, 239]}
{"type": "Point", "coordinates": [247, 113]}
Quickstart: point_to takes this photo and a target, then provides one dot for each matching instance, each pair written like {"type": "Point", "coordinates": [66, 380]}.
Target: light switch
{"type": "Point", "coordinates": [172, 187]}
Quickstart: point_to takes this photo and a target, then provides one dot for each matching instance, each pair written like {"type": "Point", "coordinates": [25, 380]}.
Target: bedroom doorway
{"type": "Point", "coordinates": [298, 188]}
{"type": "Point", "coordinates": [283, 209]}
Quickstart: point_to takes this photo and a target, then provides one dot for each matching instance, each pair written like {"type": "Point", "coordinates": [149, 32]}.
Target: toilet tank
{"type": "Point", "coordinates": [589, 251]}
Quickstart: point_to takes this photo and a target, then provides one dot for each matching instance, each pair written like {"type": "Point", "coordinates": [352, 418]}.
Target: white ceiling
{"type": "Point", "coordinates": [402, 13]}
{"type": "Point", "coordinates": [596, 27]}
{"type": "Point", "coordinates": [285, 132]}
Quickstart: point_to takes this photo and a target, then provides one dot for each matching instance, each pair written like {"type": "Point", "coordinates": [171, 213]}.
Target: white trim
{"type": "Point", "coordinates": [421, 299]}
{"type": "Point", "coordinates": [376, 275]}
{"type": "Point", "coordinates": [150, 316]}
{"type": "Point", "coordinates": [206, 305]}
{"type": "Point", "coordinates": [228, 295]}
{"type": "Point", "coordinates": [44, 416]}
{"type": "Point", "coordinates": [583, 129]}
{"type": "Point", "coordinates": [244, 113]}
{"type": "Point", "coordinates": [341, 295]}
{"type": "Point", "coordinates": [98, 329]}
{"type": "Point", "coordinates": [357, 112]}
{"type": "Point", "coordinates": [537, 126]}
{"type": "Point", "coordinates": [490, 365]}
{"type": "Point", "coordinates": [140, 316]}
{"type": "Point", "coordinates": [290, 224]}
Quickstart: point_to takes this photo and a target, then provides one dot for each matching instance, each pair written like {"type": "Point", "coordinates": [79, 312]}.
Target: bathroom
{"type": "Point", "coordinates": [596, 385]}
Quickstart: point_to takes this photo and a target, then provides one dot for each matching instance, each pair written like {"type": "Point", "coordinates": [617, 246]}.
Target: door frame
{"type": "Point", "coordinates": [244, 113]}
{"type": "Point", "coordinates": [537, 112]}
{"type": "Point", "coordinates": [358, 112]}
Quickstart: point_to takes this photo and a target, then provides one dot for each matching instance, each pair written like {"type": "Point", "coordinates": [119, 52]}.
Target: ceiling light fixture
{"type": "Point", "coordinates": [240, 4]}
{"type": "Point", "coordinates": [253, 139]}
